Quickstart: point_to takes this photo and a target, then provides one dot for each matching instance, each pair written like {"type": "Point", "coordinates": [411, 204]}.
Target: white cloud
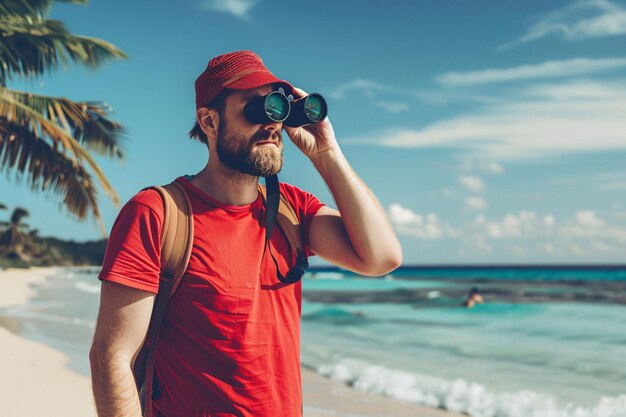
{"type": "Point", "coordinates": [548, 69]}
{"type": "Point", "coordinates": [513, 226]}
{"type": "Point", "coordinates": [524, 233]}
{"type": "Point", "coordinates": [392, 107]}
{"type": "Point", "coordinates": [588, 218]}
{"type": "Point", "coordinates": [479, 243]}
{"type": "Point", "coordinates": [614, 186]}
{"type": "Point", "coordinates": [372, 89]}
{"type": "Point", "coordinates": [401, 216]}
{"type": "Point", "coordinates": [471, 182]}
{"type": "Point", "coordinates": [475, 203]}
{"type": "Point", "coordinates": [238, 8]}
{"type": "Point", "coordinates": [583, 19]}
{"type": "Point", "coordinates": [490, 167]}
{"type": "Point", "coordinates": [363, 87]}
{"type": "Point", "coordinates": [407, 222]}
{"type": "Point", "coordinates": [585, 224]}
{"type": "Point", "coordinates": [537, 122]}
{"type": "Point", "coordinates": [549, 220]}
{"type": "Point", "coordinates": [445, 193]}
{"type": "Point", "coordinates": [601, 246]}
{"type": "Point", "coordinates": [606, 181]}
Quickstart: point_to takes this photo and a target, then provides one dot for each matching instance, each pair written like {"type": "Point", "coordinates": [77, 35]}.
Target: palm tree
{"type": "Point", "coordinates": [49, 139]}
{"type": "Point", "coordinates": [15, 235]}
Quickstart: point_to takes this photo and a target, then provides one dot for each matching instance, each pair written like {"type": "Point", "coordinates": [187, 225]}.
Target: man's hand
{"type": "Point", "coordinates": [315, 139]}
{"type": "Point", "coordinates": [358, 237]}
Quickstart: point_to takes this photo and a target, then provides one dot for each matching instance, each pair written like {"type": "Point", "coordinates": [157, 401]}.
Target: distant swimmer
{"type": "Point", "coordinates": [473, 298]}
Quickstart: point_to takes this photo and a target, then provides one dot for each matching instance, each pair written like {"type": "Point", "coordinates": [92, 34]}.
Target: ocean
{"type": "Point", "coordinates": [547, 342]}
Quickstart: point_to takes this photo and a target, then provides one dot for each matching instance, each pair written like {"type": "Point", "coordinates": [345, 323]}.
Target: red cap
{"type": "Point", "coordinates": [240, 70]}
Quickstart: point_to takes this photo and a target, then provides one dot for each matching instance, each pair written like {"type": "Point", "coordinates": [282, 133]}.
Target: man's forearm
{"type": "Point", "coordinates": [114, 389]}
{"type": "Point", "coordinates": [366, 223]}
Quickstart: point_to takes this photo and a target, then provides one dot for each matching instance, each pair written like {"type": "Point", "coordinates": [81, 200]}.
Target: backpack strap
{"type": "Point", "coordinates": [290, 225]}
{"type": "Point", "coordinates": [176, 244]}
{"type": "Point", "coordinates": [177, 234]}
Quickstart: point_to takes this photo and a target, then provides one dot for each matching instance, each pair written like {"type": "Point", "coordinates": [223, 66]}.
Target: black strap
{"type": "Point", "coordinates": [272, 201]}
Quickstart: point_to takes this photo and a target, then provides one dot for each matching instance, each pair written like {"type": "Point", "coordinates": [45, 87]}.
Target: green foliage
{"type": "Point", "coordinates": [21, 247]}
{"type": "Point", "coordinates": [55, 252]}
{"type": "Point", "coordinates": [50, 139]}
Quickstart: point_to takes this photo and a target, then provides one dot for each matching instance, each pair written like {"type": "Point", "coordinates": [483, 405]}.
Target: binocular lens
{"type": "Point", "coordinates": [277, 107]}
{"type": "Point", "coordinates": [314, 108]}
{"type": "Point", "coordinates": [273, 107]}
{"type": "Point", "coordinates": [307, 110]}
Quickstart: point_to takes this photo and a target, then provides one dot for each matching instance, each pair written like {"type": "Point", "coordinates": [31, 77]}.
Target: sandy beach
{"type": "Point", "coordinates": [37, 382]}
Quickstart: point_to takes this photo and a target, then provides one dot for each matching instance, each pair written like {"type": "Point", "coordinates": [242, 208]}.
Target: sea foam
{"type": "Point", "coordinates": [87, 287]}
{"type": "Point", "coordinates": [462, 396]}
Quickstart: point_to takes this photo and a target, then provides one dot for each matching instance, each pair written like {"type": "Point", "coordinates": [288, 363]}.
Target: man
{"type": "Point", "coordinates": [229, 345]}
{"type": "Point", "coordinates": [473, 298]}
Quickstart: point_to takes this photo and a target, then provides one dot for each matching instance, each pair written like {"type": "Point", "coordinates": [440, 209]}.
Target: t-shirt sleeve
{"type": "Point", "coordinates": [306, 206]}
{"type": "Point", "coordinates": [132, 256]}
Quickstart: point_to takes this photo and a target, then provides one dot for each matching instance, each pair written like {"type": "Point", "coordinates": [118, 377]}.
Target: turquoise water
{"type": "Point", "coordinates": [531, 349]}
{"type": "Point", "coordinates": [547, 343]}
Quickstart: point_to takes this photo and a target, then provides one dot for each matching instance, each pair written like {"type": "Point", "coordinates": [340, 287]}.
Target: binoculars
{"type": "Point", "coordinates": [277, 107]}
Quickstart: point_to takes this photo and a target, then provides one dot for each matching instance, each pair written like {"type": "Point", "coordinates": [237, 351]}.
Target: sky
{"type": "Point", "coordinates": [490, 131]}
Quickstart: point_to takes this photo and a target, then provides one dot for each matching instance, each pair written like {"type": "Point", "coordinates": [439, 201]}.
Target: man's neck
{"type": "Point", "coordinates": [227, 185]}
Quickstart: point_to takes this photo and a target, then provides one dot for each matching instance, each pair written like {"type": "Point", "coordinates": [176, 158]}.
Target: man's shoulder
{"type": "Point", "coordinates": [300, 200]}
{"type": "Point", "coordinates": [147, 199]}
{"type": "Point", "coordinates": [291, 190]}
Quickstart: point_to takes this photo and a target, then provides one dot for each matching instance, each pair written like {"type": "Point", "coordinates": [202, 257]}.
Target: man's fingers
{"type": "Point", "coordinates": [299, 92]}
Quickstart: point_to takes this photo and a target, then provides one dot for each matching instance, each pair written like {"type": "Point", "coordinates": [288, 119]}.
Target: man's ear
{"type": "Point", "coordinates": [209, 121]}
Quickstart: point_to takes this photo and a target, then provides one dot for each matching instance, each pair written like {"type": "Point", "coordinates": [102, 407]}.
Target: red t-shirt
{"type": "Point", "coordinates": [230, 341]}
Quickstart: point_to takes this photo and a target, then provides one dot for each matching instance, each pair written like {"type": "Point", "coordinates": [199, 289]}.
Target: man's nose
{"type": "Point", "coordinates": [272, 128]}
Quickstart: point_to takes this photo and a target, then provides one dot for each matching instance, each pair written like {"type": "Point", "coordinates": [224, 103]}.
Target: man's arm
{"type": "Point", "coordinates": [121, 328]}
{"type": "Point", "coordinates": [359, 236]}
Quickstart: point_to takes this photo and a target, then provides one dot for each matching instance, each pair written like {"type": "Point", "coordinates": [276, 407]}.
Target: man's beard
{"type": "Point", "coordinates": [241, 155]}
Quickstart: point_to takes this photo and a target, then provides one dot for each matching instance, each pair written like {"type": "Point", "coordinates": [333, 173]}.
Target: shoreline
{"type": "Point", "coordinates": [41, 383]}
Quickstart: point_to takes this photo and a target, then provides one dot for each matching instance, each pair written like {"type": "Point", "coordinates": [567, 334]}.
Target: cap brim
{"type": "Point", "coordinates": [257, 79]}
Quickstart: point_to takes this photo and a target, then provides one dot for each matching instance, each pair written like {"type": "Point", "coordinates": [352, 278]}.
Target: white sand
{"type": "Point", "coordinates": [35, 381]}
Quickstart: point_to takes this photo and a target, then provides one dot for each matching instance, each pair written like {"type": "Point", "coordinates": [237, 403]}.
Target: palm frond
{"type": "Point", "coordinates": [19, 114]}
{"type": "Point", "coordinates": [88, 122]}
{"type": "Point", "coordinates": [48, 170]}
{"type": "Point", "coordinates": [24, 7]}
{"type": "Point", "coordinates": [14, 111]}
{"type": "Point", "coordinates": [32, 46]}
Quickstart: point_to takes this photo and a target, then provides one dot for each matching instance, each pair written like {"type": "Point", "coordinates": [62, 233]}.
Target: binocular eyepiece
{"type": "Point", "coordinates": [277, 107]}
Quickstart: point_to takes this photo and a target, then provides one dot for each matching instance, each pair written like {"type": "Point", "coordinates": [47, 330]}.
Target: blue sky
{"type": "Point", "coordinates": [491, 132]}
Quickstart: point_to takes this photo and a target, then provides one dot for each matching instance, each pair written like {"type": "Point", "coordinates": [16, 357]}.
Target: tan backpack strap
{"type": "Point", "coordinates": [176, 245]}
{"type": "Point", "coordinates": [288, 222]}
{"type": "Point", "coordinates": [177, 233]}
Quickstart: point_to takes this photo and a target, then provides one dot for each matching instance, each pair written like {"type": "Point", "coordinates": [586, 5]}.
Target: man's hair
{"type": "Point", "coordinates": [217, 104]}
